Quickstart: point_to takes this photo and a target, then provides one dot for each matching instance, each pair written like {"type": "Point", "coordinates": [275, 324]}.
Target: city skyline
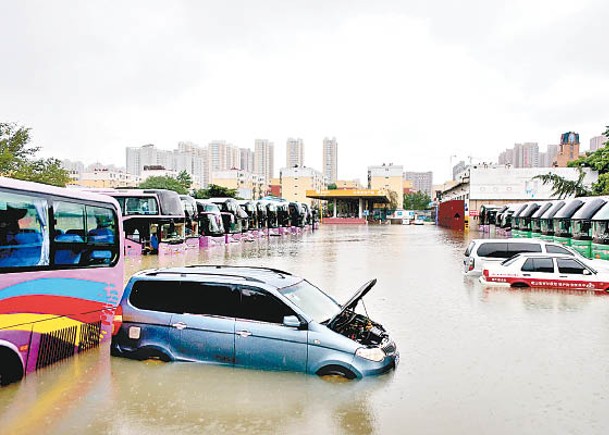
{"type": "Point", "coordinates": [343, 68]}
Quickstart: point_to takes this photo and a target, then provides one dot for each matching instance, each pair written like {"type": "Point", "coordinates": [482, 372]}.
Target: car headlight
{"type": "Point", "coordinates": [371, 353]}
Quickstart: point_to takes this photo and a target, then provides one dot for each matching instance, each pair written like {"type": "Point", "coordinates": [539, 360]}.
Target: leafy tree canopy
{"type": "Point", "coordinates": [561, 187]}
{"type": "Point", "coordinates": [416, 201]}
{"type": "Point", "coordinates": [164, 182]}
{"type": "Point", "coordinates": [17, 158]}
{"type": "Point", "coordinates": [332, 186]}
{"type": "Point", "coordinates": [184, 179]}
{"type": "Point", "coordinates": [215, 191]}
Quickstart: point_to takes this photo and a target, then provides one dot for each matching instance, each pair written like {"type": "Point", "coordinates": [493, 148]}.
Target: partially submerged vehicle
{"type": "Point", "coordinates": [250, 208]}
{"type": "Point", "coordinates": [522, 223]}
{"type": "Point", "coordinates": [562, 221]}
{"type": "Point", "coordinates": [298, 214]}
{"type": "Point", "coordinates": [487, 217]}
{"type": "Point", "coordinates": [600, 233]}
{"type": "Point", "coordinates": [547, 221]}
{"type": "Point", "coordinates": [210, 219]}
{"type": "Point", "coordinates": [536, 218]}
{"type": "Point", "coordinates": [581, 225]}
{"type": "Point", "coordinates": [191, 221]}
{"type": "Point", "coordinates": [232, 214]}
{"type": "Point", "coordinates": [249, 317]}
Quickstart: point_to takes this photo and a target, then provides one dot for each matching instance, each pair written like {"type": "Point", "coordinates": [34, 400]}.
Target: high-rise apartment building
{"type": "Point", "coordinates": [294, 153]}
{"type": "Point", "coordinates": [597, 142]}
{"type": "Point", "coordinates": [188, 157]}
{"type": "Point", "coordinates": [264, 158]}
{"type": "Point", "coordinates": [330, 160]}
{"type": "Point", "coordinates": [295, 181]}
{"type": "Point", "coordinates": [568, 149]}
{"type": "Point", "coordinates": [247, 159]}
{"type": "Point", "coordinates": [421, 181]}
{"type": "Point", "coordinates": [526, 155]}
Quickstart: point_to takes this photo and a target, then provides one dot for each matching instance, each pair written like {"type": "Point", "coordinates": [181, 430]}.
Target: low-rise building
{"type": "Point", "coordinates": [237, 179]}
{"type": "Point", "coordinates": [296, 181]}
{"type": "Point", "coordinates": [390, 178]}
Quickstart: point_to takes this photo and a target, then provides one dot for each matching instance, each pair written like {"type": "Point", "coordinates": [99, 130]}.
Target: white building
{"type": "Point", "coordinates": [597, 142]}
{"type": "Point", "coordinates": [264, 158]}
{"type": "Point", "coordinates": [330, 160]}
{"type": "Point", "coordinates": [294, 153]}
{"type": "Point", "coordinates": [503, 184]}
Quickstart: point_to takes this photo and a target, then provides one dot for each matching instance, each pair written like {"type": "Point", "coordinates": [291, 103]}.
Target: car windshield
{"type": "Point", "coordinates": [311, 301]}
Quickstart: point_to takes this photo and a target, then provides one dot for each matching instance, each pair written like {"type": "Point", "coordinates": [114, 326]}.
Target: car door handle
{"type": "Point", "coordinates": [526, 274]}
{"type": "Point", "coordinates": [244, 333]}
{"type": "Point", "coordinates": [563, 276]}
{"type": "Point", "coordinates": [179, 325]}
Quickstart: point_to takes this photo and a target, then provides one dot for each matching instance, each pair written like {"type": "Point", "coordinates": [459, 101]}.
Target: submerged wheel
{"type": "Point", "coordinates": [520, 285]}
{"type": "Point", "coordinates": [336, 370]}
{"type": "Point", "coordinates": [11, 369]}
{"type": "Point", "coordinates": [154, 354]}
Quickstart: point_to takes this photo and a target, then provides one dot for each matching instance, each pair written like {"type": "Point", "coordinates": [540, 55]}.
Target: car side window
{"type": "Point", "coordinates": [493, 250]}
{"type": "Point", "coordinates": [263, 307]}
{"type": "Point", "coordinates": [569, 265]}
{"type": "Point", "coordinates": [550, 249]}
{"type": "Point", "coordinates": [528, 266]}
{"type": "Point", "coordinates": [515, 248]}
{"type": "Point", "coordinates": [163, 296]}
{"type": "Point", "coordinates": [209, 298]}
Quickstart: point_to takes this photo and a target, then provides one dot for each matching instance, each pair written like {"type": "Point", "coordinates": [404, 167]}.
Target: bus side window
{"type": "Point", "coordinates": [23, 231]}
{"type": "Point", "coordinates": [101, 236]}
{"type": "Point", "coordinates": [69, 232]}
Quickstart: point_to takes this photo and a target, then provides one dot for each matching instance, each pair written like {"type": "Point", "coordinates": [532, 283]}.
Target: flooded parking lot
{"type": "Point", "coordinates": [473, 360]}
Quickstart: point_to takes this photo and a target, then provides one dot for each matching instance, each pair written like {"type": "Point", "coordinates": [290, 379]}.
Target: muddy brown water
{"type": "Point", "coordinates": [473, 360]}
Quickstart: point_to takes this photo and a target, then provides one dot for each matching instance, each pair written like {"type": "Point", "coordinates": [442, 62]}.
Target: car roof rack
{"type": "Point", "coordinates": [181, 273]}
{"type": "Point", "coordinates": [223, 266]}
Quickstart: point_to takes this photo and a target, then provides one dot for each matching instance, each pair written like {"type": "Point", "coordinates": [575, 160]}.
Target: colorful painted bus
{"type": "Point", "coordinates": [581, 225]}
{"type": "Point", "coordinates": [61, 274]}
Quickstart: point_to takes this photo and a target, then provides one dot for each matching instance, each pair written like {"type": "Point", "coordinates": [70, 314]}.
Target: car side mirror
{"type": "Point", "coordinates": [292, 322]}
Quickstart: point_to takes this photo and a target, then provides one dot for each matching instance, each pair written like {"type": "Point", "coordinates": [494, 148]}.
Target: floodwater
{"type": "Point", "coordinates": [473, 360]}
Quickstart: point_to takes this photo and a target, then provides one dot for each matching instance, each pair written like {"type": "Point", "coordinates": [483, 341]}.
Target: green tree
{"type": "Point", "coordinates": [45, 171]}
{"type": "Point", "coordinates": [184, 179]}
{"type": "Point", "coordinates": [416, 201]}
{"type": "Point", "coordinates": [332, 186]}
{"type": "Point", "coordinates": [164, 182]}
{"type": "Point", "coordinates": [17, 158]}
{"type": "Point", "coordinates": [393, 200]}
{"type": "Point", "coordinates": [215, 191]}
{"type": "Point", "coordinates": [561, 187]}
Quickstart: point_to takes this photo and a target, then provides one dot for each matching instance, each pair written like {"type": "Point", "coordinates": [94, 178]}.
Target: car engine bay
{"type": "Point", "coordinates": [359, 328]}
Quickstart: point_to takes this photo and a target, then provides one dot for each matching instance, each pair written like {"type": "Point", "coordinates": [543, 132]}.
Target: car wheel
{"type": "Point", "coordinates": [336, 370]}
{"type": "Point", "coordinates": [520, 285]}
{"type": "Point", "coordinates": [154, 354]}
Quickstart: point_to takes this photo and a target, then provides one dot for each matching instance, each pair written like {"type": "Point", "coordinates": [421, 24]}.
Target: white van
{"type": "Point", "coordinates": [480, 251]}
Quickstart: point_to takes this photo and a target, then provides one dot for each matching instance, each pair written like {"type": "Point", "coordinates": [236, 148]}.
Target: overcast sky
{"type": "Point", "coordinates": [407, 82]}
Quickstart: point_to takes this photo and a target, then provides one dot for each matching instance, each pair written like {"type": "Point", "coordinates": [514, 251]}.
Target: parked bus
{"type": "Point", "coordinates": [210, 219]}
{"type": "Point", "coordinates": [536, 218]}
{"type": "Point", "coordinates": [488, 214]}
{"type": "Point", "coordinates": [581, 226]}
{"type": "Point", "coordinates": [523, 222]}
{"type": "Point", "coordinates": [562, 221]}
{"type": "Point", "coordinates": [153, 219]}
{"type": "Point", "coordinates": [231, 216]}
{"type": "Point", "coordinates": [515, 220]}
{"type": "Point", "coordinates": [547, 221]}
{"type": "Point", "coordinates": [600, 233]}
{"type": "Point", "coordinates": [191, 227]}
{"type": "Point", "coordinates": [61, 274]}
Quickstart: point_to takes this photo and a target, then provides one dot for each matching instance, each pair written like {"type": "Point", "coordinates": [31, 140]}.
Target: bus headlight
{"type": "Point", "coordinates": [371, 353]}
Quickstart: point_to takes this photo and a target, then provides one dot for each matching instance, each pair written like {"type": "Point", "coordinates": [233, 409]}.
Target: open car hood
{"type": "Point", "coordinates": [353, 301]}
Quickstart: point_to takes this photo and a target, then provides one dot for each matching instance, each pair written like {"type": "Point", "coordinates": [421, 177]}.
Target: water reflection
{"type": "Point", "coordinates": [474, 360]}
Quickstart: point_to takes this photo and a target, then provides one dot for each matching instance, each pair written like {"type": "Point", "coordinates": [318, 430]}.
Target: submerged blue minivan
{"type": "Point", "coordinates": [250, 317]}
